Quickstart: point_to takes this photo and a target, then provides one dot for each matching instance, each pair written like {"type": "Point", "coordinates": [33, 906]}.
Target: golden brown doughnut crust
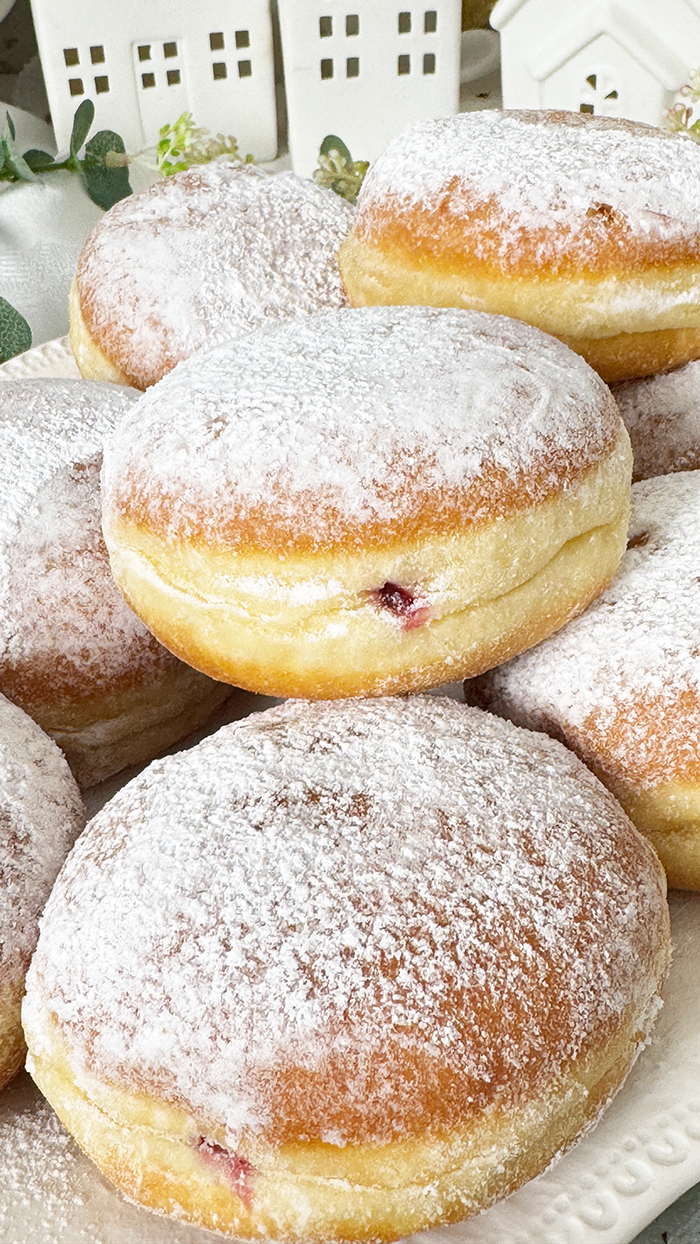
{"type": "Point", "coordinates": [381, 1010]}
{"type": "Point", "coordinates": [555, 229]}
{"type": "Point", "coordinates": [621, 684]}
{"type": "Point", "coordinates": [311, 513]}
{"type": "Point", "coordinates": [201, 257]}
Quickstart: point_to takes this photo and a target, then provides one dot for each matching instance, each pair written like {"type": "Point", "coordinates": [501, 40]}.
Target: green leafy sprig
{"type": "Point", "coordinates": [680, 117]}
{"type": "Point", "coordinates": [338, 171]}
{"type": "Point", "coordinates": [103, 166]}
{"type": "Point", "coordinates": [15, 333]}
{"type": "Point", "coordinates": [183, 144]}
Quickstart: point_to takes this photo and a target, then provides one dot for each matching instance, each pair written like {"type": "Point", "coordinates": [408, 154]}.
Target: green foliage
{"type": "Point", "coordinates": [103, 168]}
{"type": "Point", "coordinates": [15, 333]}
{"type": "Point", "coordinates": [680, 116]}
{"type": "Point", "coordinates": [183, 144]}
{"type": "Point", "coordinates": [338, 171]}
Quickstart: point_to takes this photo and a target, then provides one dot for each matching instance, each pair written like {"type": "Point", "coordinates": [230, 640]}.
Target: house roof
{"type": "Point", "coordinates": [579, 25]}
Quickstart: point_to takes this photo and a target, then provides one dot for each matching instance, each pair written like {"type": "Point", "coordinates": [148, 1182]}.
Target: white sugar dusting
{"type": "Point", "coordinates": [331, 878]}
{"type": "Point", "coordinates": [209, 254]}
{"type": "Point", "coordinates": [637, 643]}
{"type": "Point", "coordinates": [542, 172]}
{"type": "Point", "coordinates": [352, 417]}
{"type": "Point", "coordinates": [60, 610]}
{"type": "Point", "coordinates": [41, 814]}
{"type": "Point", "coordinates": [662, 416]}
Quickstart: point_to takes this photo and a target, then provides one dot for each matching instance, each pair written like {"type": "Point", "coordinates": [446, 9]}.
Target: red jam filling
{"type": "Point", "coordinates": [410, 610]}
{"type": "Point", "coordinates": [238, 1171]}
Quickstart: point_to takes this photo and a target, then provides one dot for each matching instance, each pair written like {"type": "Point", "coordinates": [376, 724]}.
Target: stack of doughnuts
{"type": "Point", "coordinates": [72, 653]}
{"type": "Point", "coordinates": [586, 226]}
{"type": "Point", "coordinates": [396, 954]}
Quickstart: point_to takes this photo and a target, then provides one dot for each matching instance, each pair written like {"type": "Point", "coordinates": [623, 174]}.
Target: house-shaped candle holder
{"type": "Point", "coordinates": [365, 69]}
{"type": "Point", "coordinates": [143, 64]}
{"type": "Point", "coordinates": [616, 58]}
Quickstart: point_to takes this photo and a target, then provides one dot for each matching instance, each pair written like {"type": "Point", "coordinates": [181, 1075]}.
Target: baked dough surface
{"type": "Point", "coordinates": [545, 217]}
{"type": "Point", "coordinates": [365, 990]}
{"type": "Point", "coordinates": [313, 512]}
{"type": "Point", "coordinates": [621, 684]}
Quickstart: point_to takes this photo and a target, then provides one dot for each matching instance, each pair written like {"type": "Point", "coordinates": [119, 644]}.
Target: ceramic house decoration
{"type": "Point", "coordinates": [618, 58]}
{"type": "Point", "coordinates": [143, 64]}
{"type": "Point", "coordinates": [364, 69]}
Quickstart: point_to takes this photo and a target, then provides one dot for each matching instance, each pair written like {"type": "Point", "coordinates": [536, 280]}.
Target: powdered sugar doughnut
{"type": "Point", "coordinates": [199, 258]}
{"type": "Point", "coordinates": [586, 226]}
{"type": "Point", "coordinates": [72, 654]}
{"type": "Point", "coordinates": [662, 416]}
{"type": "Point", "coordinates": [41, 814]}
{"type": "Point", "coordinates": [365, 990]}
{"type": "Point", "coordinates": [621, 685]}
{"type": "Point", "coordinates": [367, 501]}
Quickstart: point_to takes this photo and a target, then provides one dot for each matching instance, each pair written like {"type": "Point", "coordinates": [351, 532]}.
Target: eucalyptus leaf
{"type": "Point", "coordinates": [83, 119]}
{"type": "Point", "coordinates": [105, 185]}
{"type": "Point", "coordinates": [11, 126]}
{"type": "Point", "coordinates": [332, 143]}
{"type": "Point", "coordinates": [19, 166]}
{"type": "Point", "coordinates": [38, 160]}
{"type": "Point", "coordinates": [15, 333]}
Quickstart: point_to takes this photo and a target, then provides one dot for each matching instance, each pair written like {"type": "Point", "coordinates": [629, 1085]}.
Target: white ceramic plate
{"type": "Point", "coordinates": [642, 1156]}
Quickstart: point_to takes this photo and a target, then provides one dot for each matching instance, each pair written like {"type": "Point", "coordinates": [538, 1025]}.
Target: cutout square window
{"type": "Point", "coordinates": [404, 23]}
{"type": "Point", "coordinates": [97, 55]}
{"type": "Point", "coordinates": [148, 79]}
{"type": "Point", "coordinates": [70, 56]}
{"type": "Point", "coordinates": [219, 69]}
{"type": "Point", "coordinates": [245, 69]}
{"type": "Point", "coordinates": [352, 24]}
{"type": "Point", "coordinates": [430, 21]}
{"type": "Point", "coordinates": [101, 85]}
{"type": "Point", "coordinates": [144, 51]}
{"type": "Point", "coordinates": [429, 63]}
{"type": "Point", "coordinates": [586, 108]}
{"type": "Point", "coordinates": [169, 50]}
{"type": "Point", "coordinates": [326, 69]}
{"type": "Point", "coordinates": [404, 65]}
{"type": "Point", "coordinates": [242, 38]}
{"type": "Point", "coordinates": [216, 41]}
{"type": "Point", "coordinates": [173, 76]}
{"type": "Point", "coordinates": [75, 86]}
{"type": "Point", "coordinates": [325, 27]}
{"type": "Point", "coordinates": [352, 67]}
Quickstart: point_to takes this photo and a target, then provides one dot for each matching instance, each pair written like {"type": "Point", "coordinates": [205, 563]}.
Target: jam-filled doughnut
{"type": "Point", "coordinates": [41, 815]}
{"type": "Point", "coordinates": [199, 258]}
{"type": "Point", "coordinates": [367, 501]}
{"type": "Point", "coordinates": [621, 684]}
{"type": "Point", "coordinates": [662, 416]}
{"type": "Point", "coordinates": [586, 226]}
{"type": "Point", "coordinates": [72, 653]}
{"type": "Point", "coordinates": [395, 955]}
